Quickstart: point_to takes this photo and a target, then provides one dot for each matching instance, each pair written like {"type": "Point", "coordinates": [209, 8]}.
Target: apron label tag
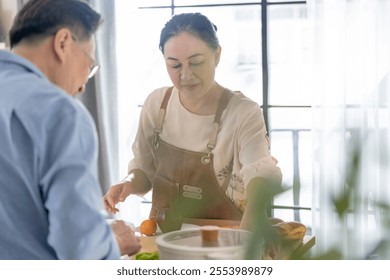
{"type": "Point", "coordinates": [192, 189]}
{"type": "Point", "coordinates": [192, 195]}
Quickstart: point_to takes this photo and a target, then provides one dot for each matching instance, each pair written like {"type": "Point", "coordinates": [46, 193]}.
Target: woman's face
{"type": "Point", "coordinates": [191, 64]}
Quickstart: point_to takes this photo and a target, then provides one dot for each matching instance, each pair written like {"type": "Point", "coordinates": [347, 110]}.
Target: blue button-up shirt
{"type": "Point", "coordinates": [50, 199]}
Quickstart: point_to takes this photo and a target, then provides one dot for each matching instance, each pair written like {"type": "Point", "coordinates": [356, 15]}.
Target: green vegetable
{"type": "Point", "coordinates": [147, 256]}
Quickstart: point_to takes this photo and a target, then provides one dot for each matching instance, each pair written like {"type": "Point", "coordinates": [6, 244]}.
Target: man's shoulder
{"type": "Point", "coordinates": [48, 97]}
{"type": "Point", "coordinates": [43, 105]}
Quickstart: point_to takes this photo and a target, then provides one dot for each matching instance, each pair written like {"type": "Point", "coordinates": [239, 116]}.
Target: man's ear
{"type": "Point", "coordinates": [217, 55]}
{"type": "Point", "coordinates": [62, 43]}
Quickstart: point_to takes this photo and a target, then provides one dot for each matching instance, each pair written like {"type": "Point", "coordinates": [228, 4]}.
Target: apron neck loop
{"type": "Point", "coordinates": [223, 102]}
{"type": "Point", "coordinates": [160, 119]}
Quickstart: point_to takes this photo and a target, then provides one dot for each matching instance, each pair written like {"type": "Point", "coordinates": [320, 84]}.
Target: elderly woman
{"type": "Point", "coordinates": [201, 147]}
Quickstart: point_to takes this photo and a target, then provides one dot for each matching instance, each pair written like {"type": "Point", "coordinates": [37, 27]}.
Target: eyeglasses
{"type": "Point", "coordinates": [93, 69]}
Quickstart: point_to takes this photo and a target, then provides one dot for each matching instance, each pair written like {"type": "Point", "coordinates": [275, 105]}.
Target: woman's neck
{"type": "Point", "coordinates": [205, 106]}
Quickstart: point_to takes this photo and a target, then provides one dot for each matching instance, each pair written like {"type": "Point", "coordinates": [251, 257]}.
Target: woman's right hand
{"type": "Point", "coordinates": [117, 193]}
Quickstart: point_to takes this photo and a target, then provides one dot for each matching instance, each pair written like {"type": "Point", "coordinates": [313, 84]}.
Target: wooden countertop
{"type": "Point", "coordinates": [148, 244]}
{"type": "Point", "coordinates": [294, 250]}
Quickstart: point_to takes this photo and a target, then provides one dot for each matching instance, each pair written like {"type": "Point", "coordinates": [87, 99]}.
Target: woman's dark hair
{"type": "Point", "coordinates": [40, 18]}
{"type": "Point", "coordinates": [194, 23]}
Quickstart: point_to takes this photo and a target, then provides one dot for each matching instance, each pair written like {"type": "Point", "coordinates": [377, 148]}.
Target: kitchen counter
{"type": "Point", "coordinates": [148, 244]}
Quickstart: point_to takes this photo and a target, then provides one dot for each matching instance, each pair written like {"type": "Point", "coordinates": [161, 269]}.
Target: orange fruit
{"type": "Point", "coordinates": [148, 227]}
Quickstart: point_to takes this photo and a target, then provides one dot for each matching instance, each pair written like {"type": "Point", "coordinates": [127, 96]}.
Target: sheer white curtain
{"type": "Point", "coordinates": [351, 127]}
{"type": "Point", "coordinates": [101, 95]}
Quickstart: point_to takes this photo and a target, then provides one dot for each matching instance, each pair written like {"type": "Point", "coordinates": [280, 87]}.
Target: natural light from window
{"type": "Point", "coordinates": [141, 69]}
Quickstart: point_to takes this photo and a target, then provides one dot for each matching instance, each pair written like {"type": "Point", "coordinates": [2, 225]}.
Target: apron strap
{"type": "Point", "coordinates": [160, 118]}
{"type": "Point", "coordinates": [168, 93]}
{"type": "Point", "coordinates": [223, 102]}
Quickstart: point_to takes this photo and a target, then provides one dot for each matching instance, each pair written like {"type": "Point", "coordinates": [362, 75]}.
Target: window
{"type": "Point", "coordinates": [264, 54]}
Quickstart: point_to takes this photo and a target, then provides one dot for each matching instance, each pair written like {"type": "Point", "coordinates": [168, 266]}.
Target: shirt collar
{"type": "Point", "coordinates": [12, 58]}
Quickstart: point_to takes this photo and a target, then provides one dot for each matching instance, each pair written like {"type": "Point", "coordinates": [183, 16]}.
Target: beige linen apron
{"type": "Point", "coordinates": [185, 185]}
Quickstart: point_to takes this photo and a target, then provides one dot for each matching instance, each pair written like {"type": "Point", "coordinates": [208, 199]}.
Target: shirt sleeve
{"type": "Point", "coordinates": [253, 149]}
{"type": "Point", "coordinates": [70, 189]}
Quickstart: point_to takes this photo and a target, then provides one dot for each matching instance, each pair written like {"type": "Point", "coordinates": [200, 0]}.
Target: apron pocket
{"type": "Point", "coordinates": [165, 207]}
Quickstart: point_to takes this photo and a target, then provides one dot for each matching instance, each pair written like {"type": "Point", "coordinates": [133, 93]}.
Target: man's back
{"type": "Point", "coordinates": [50, 198]}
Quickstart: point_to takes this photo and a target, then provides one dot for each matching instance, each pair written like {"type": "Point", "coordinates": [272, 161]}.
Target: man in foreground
{"type": "Point", "coordinates": [51, 201]}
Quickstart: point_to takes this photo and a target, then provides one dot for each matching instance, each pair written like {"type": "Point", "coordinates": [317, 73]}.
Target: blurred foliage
{"type": "Point", "coordinates": [346, 203]}
{"type": "Point", "coordinates": [147, 256]}
{"type": "Point", "coordinates": [263, 233]}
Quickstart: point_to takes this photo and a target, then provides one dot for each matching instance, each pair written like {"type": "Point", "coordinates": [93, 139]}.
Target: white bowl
{"type": "Point", "coordinates": [187, 244]}
{"type": "Point", "coordinates": [111, 221]}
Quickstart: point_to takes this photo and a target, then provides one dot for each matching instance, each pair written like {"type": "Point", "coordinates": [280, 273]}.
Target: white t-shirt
{"type": "Point", "coordinates": [242, 135]}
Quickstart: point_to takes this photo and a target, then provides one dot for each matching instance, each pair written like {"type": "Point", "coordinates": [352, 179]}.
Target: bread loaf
{"type": "Point", "coordinates": [291, 230]}
{"type": "Point", "coordinates": [274, 221]}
